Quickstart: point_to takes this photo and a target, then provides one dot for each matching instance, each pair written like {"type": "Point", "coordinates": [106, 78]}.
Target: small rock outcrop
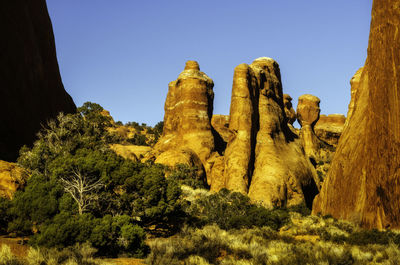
{"type": "Point", "coordinates": [289, 111]}
{"type": "Point", "coordinates": [187, 119]}
{"type": "Point", "coordinates": [131, 152]}
{"type": "Point", "coordinates": [31, 90]}
{"type": "Point", "coordinates": [363, 182]}
{"type": "Point", "coordinates": [12, 178]}
{"type": "Point", "coordinates": [221, 124]}
{"type": "Point", "coordinates": [330, 127]}
{"type": "Point", "coordinates": [307, 115]}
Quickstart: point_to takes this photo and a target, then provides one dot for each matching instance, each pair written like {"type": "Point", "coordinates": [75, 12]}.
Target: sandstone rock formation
{"type": "Point", "coordinates": [187, 119]}
{"type": "Point", "coordinates": [31, 91]}
{"type": "Point", "coordinates": [363, 182]}
{"type": "Point", "coordinates": [283, 175]}
{"type": "Point", "coordinates": [289, 111]}
{"type": "Point", "coordinates": [12, 178]}
{"type": "Point", "coordinates": [263, 157]}
{"type": "Point", "coordinates": [319, 146]}
{"type": "Point", "coordinates": [221, 124]}
{"type": "Point", "coordinates": [132, 152]}
{"type": "Point", "coordinates": [355, 86]}
{"type": "Point", "coordinates": [186, 156]}
{"type": "Point", "coordinates": [329, 128]}
{"type": "Point", "coordinates": [307, 115]}
{"type": "Point", "coordinates": [243, 123]}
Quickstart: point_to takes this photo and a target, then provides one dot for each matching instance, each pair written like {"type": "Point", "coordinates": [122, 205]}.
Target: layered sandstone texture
{"type": "Point", "coordinates": [307, 115]}
{"type": "Point", "coordinates": [363, 182]}
{"type": "Point", "coordinates": [187, 120]}
{"type": "Point", "coordinates": [283, 176]}
{"type": "Point", "coordinates": [31, 91]}
{"type": "Point", "coordinates": [329, 128]}
{"type": "Point", "coordinates": [263, 158]}
{"type": "Point", "coordinates": [12, 178]}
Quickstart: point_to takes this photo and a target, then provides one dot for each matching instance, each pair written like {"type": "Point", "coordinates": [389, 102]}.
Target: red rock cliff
{"type": "Point", "coordinates": [363, 183]}
{"type": "Point", "coordinates": [31, 91]}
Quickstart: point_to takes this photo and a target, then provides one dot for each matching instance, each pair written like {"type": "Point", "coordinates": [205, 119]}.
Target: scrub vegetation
{"type": "Point", "coordinates": [83, 201]}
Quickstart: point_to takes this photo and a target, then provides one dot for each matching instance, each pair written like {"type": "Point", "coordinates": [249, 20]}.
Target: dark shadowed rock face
{"type": "Point", "coordinates": [220, 123]}
{"type": "Point", "coordinates": [363, 183]}
{"type": "Point", "coordinates": [31, 91]}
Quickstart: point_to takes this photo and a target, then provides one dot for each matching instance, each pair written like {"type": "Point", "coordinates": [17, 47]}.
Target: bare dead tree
{"type": "Point", "coordinates": [82, 189]}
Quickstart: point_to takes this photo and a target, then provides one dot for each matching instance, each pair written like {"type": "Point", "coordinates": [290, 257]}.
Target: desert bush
{"type": "Point", "coordinates": [80, 188]}
{"type": "Point", "coordinates": [212, 245]}
{"type": "Point", "coordinates": [4, 214]}
{"type": "Point", "coordinates": [158, 129]}
{"type": "Point", "coordinates": [114, 235]}
{"type": "Point", "coordinates": [267, 246]}
{"type": "Point", "coordinates": [110, 235]}
{"type": "Point", "coordinates": [203, 243]}
{"type": "Point", "coordinates": [136, 125]}
{"type": "Point", "coordinates": [233, 210]}
{"type": "Point", "coordinates": [374, 236]}
{"type": "Point", "coordinates": [38, 203]}
{"type": "Point", "coordinates": [80, 254]}
{"type": "Point", "coordinates": [185, 175]}
{"type": "Point", "coordinates": [300, 208]}
{"type": "Point", "coordinates": [138, 139]}
{"type": "Point", "coordinates": [151, 197]}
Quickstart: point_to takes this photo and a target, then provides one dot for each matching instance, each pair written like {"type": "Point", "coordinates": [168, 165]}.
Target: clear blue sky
{"type": "Point", "coordinates": [122, 54]}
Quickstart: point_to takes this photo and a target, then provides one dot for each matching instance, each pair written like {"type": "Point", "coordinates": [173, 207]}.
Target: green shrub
{"type": "Point", "coordinates": [151, 197]}
{"type": "Point", "coordinates": [110, 235]}
{"type": "Point", "coordinates": [300, 208]}
{"type": "Point", "coordinates": [5, 217]}
{"type": "Point", "coordinates": [72, 155]}
{"type": "Point", "coordinates": [188, 176]}
{"type": "Point", "coordinates": [374, 236]}
{"type": "Point", "coordinates": [233, 210]}
{"type": "Point", "coordinates": [114, 235]}
{"type": "Point", "coordinates": [38, 203]}
{"type": "Point", "coordinates": [138, 139]}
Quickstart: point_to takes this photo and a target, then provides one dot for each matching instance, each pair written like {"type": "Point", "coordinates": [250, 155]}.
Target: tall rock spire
{"type": "Point", "coordinates": [363, 182]}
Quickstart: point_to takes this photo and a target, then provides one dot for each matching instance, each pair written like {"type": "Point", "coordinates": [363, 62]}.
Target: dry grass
{"type": "Point", "coordinates": [80, 255]}
{"type": "Point", "coordinates": [15, 245]}
{"type": "Point", "coordinates": [13, 253]}
{"type": "Point", "coordinates": [301, 242]}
